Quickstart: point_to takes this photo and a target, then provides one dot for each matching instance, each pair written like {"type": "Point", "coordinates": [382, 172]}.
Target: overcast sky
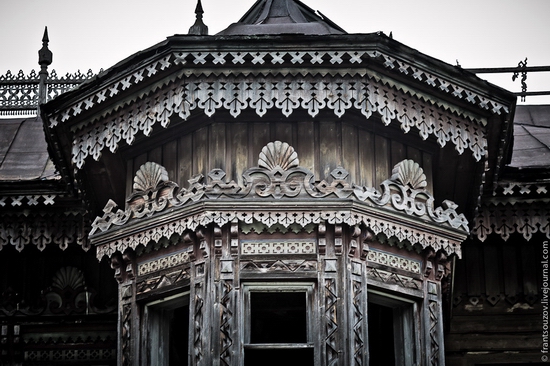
{"type": "Point", "coordinates": [97, 34]}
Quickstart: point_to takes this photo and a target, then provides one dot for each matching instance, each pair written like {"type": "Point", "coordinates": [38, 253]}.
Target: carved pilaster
{"type": "Point", "coordinates": [433, 323]}
{"type": "Point", "coordinates": [197, 311]}
{"type": "Point", "coordinates": [338, 241]}
{"type": "Point", "coordinates": [357, 304]}
{"type": "Point", "coordinates": [201, 301]}
{"type": "Point", "coordinates": [128, 317]}
{"type": "Point", "coordinates": [329, 287]}
{"type": "Point", "coordinates": [330, 315]}
{"type": "Point", "coordinates": [227, 308]}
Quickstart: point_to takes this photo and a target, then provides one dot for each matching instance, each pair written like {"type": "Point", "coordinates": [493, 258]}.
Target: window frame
{"type": "Point", "coordinates": [309, 288]}
{"type": "Point", "coordinates": [155, 316]}
{"type": "Point", "coordinates": [406, 325]}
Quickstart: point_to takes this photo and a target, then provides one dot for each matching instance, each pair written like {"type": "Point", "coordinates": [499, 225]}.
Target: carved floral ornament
{"type": "Point", "coordinates": [209, 93]}
{"type": "Point", "coordinates": [402, 208]}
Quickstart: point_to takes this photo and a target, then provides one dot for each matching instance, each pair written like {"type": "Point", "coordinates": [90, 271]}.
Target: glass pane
{"type": "Point", "coordinates": [381, 338]}
{"type": "Point", "coordinates": [278, 317]}
{"type": "Point", "coordinates": [179, 333]}
{"type": "Point", "coordinates": [278, 357]}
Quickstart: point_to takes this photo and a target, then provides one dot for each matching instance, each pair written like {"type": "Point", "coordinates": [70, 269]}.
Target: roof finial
{"type": "Point", "coordinates": [199, 28]}
{"type": "Point", "coordinates": [45, 58]}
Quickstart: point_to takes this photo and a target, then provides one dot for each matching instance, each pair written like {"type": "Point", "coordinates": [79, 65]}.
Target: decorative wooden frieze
{"type": "Point", "coordinates": [394, 261]}
{"type": "Point", "coordinates": [69, 228]}
{"type": "Point", "coordinates": [76, 354]}
{"type": "Point", "coordinates": [367, 95]}
{"type": "Point", "coordinates": [159, 264]}
{"type": "Point", "coordinates": [525, 218]}
{"type": "Point", "coordinates": [278, 247]}
{"type": "Point", "coordinates": [522, 189]}
{"type": "Point", "coordinates": [170, 278]}
{"type": "Point", "coordinates": [29, 200]}
{"type": "Point", "coordinates": [391, 278]}
{"type": "Point", "coordinates": [279, 265]}
{"type": "Point", "coordinates": [403, 193]}
{"type": "Point", "coordinates": [349, 59]}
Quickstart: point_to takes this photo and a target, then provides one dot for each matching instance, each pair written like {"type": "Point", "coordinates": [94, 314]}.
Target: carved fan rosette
{"type": "Point", "coordinates": [150, 184]}
{"type": "Point", "coordinates": [278, 173]}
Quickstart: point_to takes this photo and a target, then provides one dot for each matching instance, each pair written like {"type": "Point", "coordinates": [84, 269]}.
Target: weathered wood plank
{"type": "Point", "coordinates": [129, 176]}
{"type": "Point", "coordinates": [282, 131]}
{"type": "Point", "coordinates": [260, 137]}
{"type": "Point", "coordinates": [349, 151]}
{"type": "Point", "coordinates": [488, 342]}
{"type": "Point", "coordinates": [200, 151]}
{"type": "Point", "coordinates": [492, 270]}
{"type": "Point", "coordinates": [329, 148]}
{"type": "Point", "coordinates": [501, 323]}
{"type": "Point", "coordinates": [382, 159]}
{"type": "Point", "coordinates": [530, 277]}
{"type": "Point", "coordinates": [239, 152]}
{"type": "Point", "coordinates": [366, 159]}
{"type": "Point", "coordinates": [155, 155]}
{"type": "Point", "coordinates": [473, 270]}
{"type": "Point", "coordinates": [169, 159]}
{"type": "Point", "coordinates": [185, 160]}
{"type": "Point", "coordinates": [305, 144]}
{"type": "Point", "coordinates": [510, 264]}
{"type": "Point", "coordinates": [217, 146]}
{"type": "Point", "coordinates": [398, 152]}
{"type": "Point", "coordinates": [427, 165]}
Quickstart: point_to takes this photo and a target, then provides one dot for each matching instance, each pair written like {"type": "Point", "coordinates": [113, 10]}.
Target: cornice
{"type": "Point", "coordinates": [241, 60]}
{"type": "Point", "coordinates": [284, 93]}
{"type": "Point", "coordinates": [279, 191]}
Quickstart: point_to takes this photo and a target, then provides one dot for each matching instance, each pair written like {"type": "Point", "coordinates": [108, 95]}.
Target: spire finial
{"type": "Point", "coordinates": [199, 28]}
{"type": "Point", "coordinates": [45, 58]}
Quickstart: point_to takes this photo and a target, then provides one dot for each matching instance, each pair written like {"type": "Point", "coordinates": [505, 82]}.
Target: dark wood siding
{"type": "Point", "coordinates": [322, 146]}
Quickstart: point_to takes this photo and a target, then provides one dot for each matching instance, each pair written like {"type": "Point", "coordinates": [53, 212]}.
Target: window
{"type": "Point", "coordinates": [392, 340]}
{"type": "Point", "coordinates": [278, 324]}
{"type": "Point", "coordinates": [167, 331]}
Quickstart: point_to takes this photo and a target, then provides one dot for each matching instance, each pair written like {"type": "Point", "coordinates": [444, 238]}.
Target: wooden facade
{"type": "Point", "coordinates": [309, 198]}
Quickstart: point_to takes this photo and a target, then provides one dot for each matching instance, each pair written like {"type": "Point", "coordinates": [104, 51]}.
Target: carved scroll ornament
{"type": "Point", "coordinates": [279, 177]}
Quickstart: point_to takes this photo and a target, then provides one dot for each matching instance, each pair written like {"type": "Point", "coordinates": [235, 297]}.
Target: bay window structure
{"type": "Point", "coordinates": [280, 193]}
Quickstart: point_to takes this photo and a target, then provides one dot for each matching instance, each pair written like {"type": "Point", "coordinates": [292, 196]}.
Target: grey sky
{"type": "Point", "coordinates": [97, 34]}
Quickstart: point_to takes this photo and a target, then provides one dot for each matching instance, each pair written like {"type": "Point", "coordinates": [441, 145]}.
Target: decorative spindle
{"type": "Point", "coordinates": [199, 28]}
{"type": "Point", "coordinates": [45, 58]}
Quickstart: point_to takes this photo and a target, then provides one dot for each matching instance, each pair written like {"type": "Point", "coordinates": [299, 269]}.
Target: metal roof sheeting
{"type": "Point", "coordinates": [531, 137]}
{"type": "Point", "coordinates": [23, 151]}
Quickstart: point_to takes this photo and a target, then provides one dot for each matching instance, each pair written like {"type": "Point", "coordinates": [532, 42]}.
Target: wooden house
{"type": "Point", "coordinates": [282, 192]}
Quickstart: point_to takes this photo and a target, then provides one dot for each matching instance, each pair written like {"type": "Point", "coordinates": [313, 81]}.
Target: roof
{"type": "Point", "coordinates": [282, 17]}
{"type": "Point", "coordinates": [23, 151]}
{"type": "Point", "coordinates": [531, 137]}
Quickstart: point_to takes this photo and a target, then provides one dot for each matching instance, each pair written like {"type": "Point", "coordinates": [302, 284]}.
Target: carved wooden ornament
{"type": "Point", "coordinates": [279, 178]}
